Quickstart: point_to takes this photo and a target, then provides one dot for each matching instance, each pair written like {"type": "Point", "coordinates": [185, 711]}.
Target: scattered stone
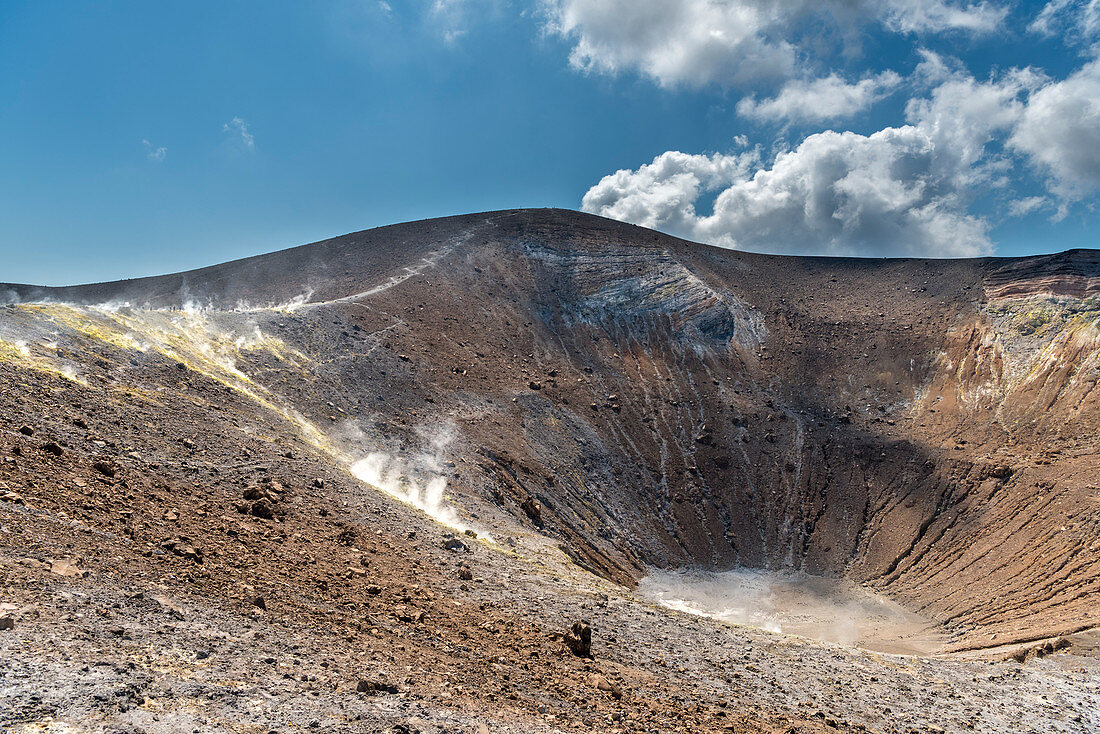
{"type": "Point", "coordinates": [53, 447]}
{"type": "Point", "coordinates": [7, 622]}
{"type": "Point", "coordinates": [1040, 650]}
{"type": "Point", "coordinates": [188, 444]}
{"type": "Point", "coordinates": [262, 493]}
{"type": "Point", "coordinates": [530, 507]}
{"type": "Point", "coordinates": [319, 483]}
{"type": "Point", "coordinates": [10, 497]}
{"type": "Point", "coordinates": [470, 533]}
{"type": "Point", "coordinates": [534, 385]}
{"type": "Point", "coordinates": [26, 430]}
{"type": "Point", "coordinates": [455, 545]}
{"type": "Point", "coordinates": [65, 567]}
{"type": "Point", "coordinates": [579, 639]}
{"type": "Point", "coordinates": [372, 687]}
{"type": "Point", "coordinates": [262, 510]}
{"type": "Point", "coordinates": [373, 590]}
{"type": "Point", "coordinates": [80, 423]}
{"type": "Point", "coordinates": [184, 549]}
{"type": "Point", "coordinates": [258, 602]}
{"type": "Point", "coordinates": [169, 606]}
{"type": "Point", "coordinates": [465, 574]}
{"type": "Point", "coordinates": [603, 684]}
{"type": "Point", "coordinates": [408, 616]}
{"type": "Point", "coordinates": [105, 467]}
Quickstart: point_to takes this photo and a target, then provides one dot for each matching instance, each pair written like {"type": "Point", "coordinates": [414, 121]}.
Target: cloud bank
{"type": "Point", "coordinates": [1059, 131]}
{"type": "Point", "coordinates": [905, 190]}
{"type": "Point", "coordinates": [736, 43]}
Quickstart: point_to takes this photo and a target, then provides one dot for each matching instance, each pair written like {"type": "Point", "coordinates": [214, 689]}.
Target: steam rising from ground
{"type": "Point", "coordinates": [392, 475]}
{"type": "Point", "coordinates": [827, 609]}
{"type": "Point", "coordinates": [415, 478]}
{"type": "Point", "coordinates": [216, 343]}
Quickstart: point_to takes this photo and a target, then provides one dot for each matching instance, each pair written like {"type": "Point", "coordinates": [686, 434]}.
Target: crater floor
{"type": "Point", "coordinates": [820, 608]}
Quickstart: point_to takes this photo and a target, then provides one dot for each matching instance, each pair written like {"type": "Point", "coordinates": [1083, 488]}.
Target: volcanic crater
{"type": "Point", "coordinates": [408, 440]}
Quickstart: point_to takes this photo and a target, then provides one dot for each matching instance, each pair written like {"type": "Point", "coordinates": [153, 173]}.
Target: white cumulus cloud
{"type": "Point", "coordinates": [818, 100]}
{"type": "Point", "coordinates": [901, 191]}
{"type": "Point", "coordinates": [733, 42]}
{"type": "Point", "coordinates": [662, 194]}
{"type": "Point", "coordinates": [693, 42]}
{"type": "Point", "coordinates": [1060, 132]}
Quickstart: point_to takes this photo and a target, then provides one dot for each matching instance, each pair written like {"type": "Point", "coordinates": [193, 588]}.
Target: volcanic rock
{"type": "Point", "coordinates": [183, 548]}
{"type": "Point", "coordinates": [455, 545]}
{"type": "Point", "coordinates": [65, 567]}
{"type": "Point", "coordinates": [578, 638]}
{"type": "Point", "coordinates": [371, 687]}
{"type": "Point", "coordinates": [105, 467]}
{"type": "Point", "coordinates": [262, 509]}
{"type": "Point", "coordinates": [601, 683]}
{"type": "Point", "coordinates": [531, 508]}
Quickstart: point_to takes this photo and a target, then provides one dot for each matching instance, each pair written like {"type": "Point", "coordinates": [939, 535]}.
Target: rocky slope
{"type": "Point", "coordinates": [581, 395]}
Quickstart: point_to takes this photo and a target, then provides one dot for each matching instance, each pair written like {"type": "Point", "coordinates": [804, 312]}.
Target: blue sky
{"type": "Point", "coordinates": [139, 138]}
